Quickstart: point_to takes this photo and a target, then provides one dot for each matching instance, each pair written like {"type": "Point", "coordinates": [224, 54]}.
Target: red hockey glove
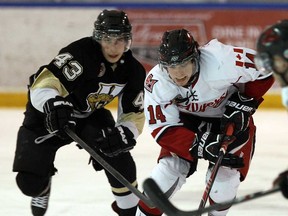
{"type": "Point", "coordinates": [207, 145]}
{"type": "Point", "coordinates": [59, 112]}
{"type": "Point", "coordinates": [239, 109]}
{"type": "Point", "coordinates": [282, 181]}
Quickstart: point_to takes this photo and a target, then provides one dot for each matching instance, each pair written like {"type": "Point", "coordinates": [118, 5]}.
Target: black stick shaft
{"type": "Point", "coordinates": [214, 172]}
{"type": "Point", "coordinates": [108, 167]}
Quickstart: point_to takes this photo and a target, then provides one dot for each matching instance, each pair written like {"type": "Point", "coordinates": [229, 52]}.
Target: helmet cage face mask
{"type": "Point", "coordinates": [113, 24]}
{"type": "Point", "coordinates": [175, 60]}
{"type": "Point", "coordinates": [263, 63]}
{"type": "Point", "coordinates": [111, 38]}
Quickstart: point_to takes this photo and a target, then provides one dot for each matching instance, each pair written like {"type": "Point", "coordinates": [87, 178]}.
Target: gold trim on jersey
{"type": "Point", "coordinates": [46, 79]}
{"type": "Point", "coordinates": [123, 189]}
{"type": "Point", "coordinates": [137, 118]}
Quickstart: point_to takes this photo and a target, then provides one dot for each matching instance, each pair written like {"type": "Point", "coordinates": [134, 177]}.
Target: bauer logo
{"type": "Point", "coordinates": [240, 106]}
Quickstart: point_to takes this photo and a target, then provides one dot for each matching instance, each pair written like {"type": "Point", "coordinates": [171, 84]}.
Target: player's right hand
{"type": "Point", "coordinates": [59, 112]}
{"type": "Point", "coordinates": [207, 145]}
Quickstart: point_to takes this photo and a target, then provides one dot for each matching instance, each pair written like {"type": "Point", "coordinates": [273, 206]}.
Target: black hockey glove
{"type": "Point", "coordinates": [239, 109]}
{"type": "Point", "coordinates": [59, 112]}
{"type": "Point", "coordinates": [207, 145]}
{"type": "Point", "coordinates": [114, 141]}
{"type": "Point", "coordinates": [282, 181]}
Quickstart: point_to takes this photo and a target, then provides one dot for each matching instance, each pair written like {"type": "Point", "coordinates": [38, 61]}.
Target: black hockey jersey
{"type": "Point", "coordinates": [92, 82]}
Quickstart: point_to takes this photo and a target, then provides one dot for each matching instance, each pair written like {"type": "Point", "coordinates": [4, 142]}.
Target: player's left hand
{"type": "Point", "coordinates": [282, 181]}
{"type": "Point", "coordinates": [114, 141]}
{"type": "Point", "coordinates": [239, 109]}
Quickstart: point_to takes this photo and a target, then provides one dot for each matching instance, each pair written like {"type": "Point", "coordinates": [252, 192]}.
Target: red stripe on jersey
{"type": "Point", "coordinates": [238, 63]}
{"type": "Point", "coordinates": [177, 140]}
{"type": "Point", "coordinates": [238, 50]}
{"type": "Point", "coordinates": [258, 88]}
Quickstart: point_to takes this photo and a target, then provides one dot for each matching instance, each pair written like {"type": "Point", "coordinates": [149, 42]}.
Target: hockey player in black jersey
{"type": "Point", "coordinates": [73, 89]}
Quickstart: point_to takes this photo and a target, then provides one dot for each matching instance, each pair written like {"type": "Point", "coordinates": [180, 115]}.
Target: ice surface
{"type": "Point", "coordinates": [77, 190]}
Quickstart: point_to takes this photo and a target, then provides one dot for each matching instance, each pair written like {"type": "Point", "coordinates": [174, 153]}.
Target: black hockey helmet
{"type": "Point", "coordinates": [177, 47]}
{"type": "Point", "coordinates": [112, 22]}
{"type": "Point", "coordinates": [272, 41]}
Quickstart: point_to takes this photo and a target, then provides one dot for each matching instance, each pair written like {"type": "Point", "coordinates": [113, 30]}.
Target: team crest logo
{"type": "Point", "coordinates": [149, 83]}
{"type": "Point", "coordinates": [98, 100]}
{"type": "Point", "coordinates": [105, 94]}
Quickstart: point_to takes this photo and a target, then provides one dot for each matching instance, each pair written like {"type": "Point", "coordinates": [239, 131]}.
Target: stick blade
{"type": "Point", "coordinates": [154, 192]}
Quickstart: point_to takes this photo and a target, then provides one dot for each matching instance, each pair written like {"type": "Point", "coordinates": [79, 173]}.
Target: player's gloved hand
{"type": "Point", "coordinates": [282, 181]}
{"type": "Point", "coordinates": [114, 141]}
{"type": "Point", "coordinates": [59, 112]}
{"type": "Point", "coordinates": [207, 145]}
{"type": "Point", "coordinates": [239, 109]}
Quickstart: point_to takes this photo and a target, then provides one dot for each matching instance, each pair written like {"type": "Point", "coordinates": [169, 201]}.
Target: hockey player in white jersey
{"type": "Point", "coordinates": [190, 97]}
{"type": "Point", "coordinates": [272, 56]}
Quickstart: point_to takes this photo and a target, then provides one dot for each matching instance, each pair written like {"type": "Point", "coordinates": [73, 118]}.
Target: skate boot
{"type": "Point", "coordinates": [39, 204]}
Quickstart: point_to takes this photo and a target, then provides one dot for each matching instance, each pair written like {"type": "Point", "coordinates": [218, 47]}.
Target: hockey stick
{"type": "Point", "coordinates": [162, 202]}
{"type": "Point", "coordinates": [224, 145]}
{"type": "Point", "coordinates": [108, 167]}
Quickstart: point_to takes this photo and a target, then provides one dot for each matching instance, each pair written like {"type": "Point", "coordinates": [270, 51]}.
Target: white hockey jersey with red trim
{"type": "Point", "coordinates": [222, 68]}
